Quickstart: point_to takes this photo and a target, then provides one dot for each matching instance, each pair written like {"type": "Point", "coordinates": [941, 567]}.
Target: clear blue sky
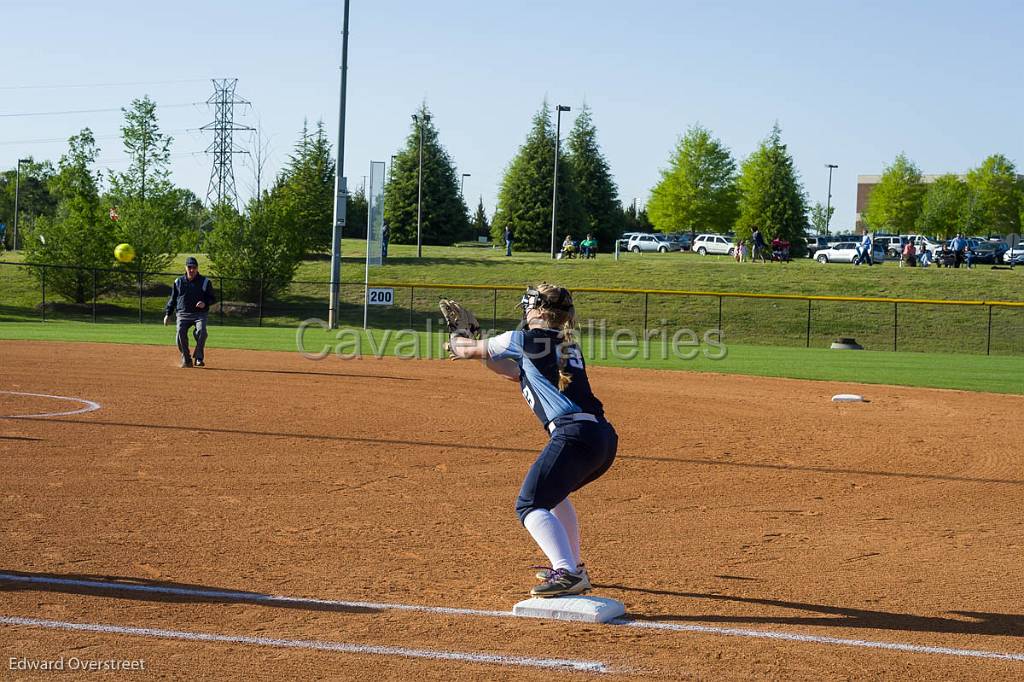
{"type": "Point", "coordinates": [851, 83]}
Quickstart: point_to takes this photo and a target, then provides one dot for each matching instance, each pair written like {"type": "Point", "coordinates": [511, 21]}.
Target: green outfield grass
{"type": "Point", "coordinates": [878, 326]}
{"type": "Point", "coordinates": [934, 370]}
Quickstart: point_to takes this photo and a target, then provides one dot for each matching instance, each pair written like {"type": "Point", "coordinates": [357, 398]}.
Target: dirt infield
{"type": "Point", "coordinates": [737, 507]}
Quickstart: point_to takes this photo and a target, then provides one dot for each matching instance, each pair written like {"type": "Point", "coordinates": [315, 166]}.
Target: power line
{"type": "Point", "coordinates": [97, 85]}
{"type": "Point", "coordinates": [113, 136]}
{"type": "Point", "coordinates": [91, 111]}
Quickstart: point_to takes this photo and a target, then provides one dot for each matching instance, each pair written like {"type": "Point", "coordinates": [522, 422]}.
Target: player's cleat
{"type": "Point", "coordinates": [562, 583]}
{"type": "Point", "coordinates": [545, 572]}
{"type": "Point", "coordinates": [199, 363]}
{"type": "Point", "coordinates": [185, 363]}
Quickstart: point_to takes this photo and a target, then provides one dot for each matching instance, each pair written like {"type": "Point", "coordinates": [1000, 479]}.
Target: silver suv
{"type": "Point", "coordinates": [651, 242]}
{"type": "Point", "coordinates": [713, 243]}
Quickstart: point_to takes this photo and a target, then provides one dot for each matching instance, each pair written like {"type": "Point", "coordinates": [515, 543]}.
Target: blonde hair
{"type": "Point", "coordinates": [560, 314]}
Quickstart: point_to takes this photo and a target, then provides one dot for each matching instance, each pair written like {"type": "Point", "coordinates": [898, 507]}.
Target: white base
{"type": "Point", "coordinates": [847, 398]}
{"type": "Point", "coordinates": [583, 609]}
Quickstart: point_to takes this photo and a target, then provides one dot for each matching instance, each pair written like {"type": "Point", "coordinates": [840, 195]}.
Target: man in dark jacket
{"type": "Point", "coordinates": [191, 298]}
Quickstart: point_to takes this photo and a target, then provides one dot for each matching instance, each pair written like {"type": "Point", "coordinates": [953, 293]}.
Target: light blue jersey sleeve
{"type": "Point", "coordinates": [507, 345]}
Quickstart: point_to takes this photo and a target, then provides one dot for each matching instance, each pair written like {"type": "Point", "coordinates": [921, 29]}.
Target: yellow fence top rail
{"type": "Point", "coordinates": [724, 294]}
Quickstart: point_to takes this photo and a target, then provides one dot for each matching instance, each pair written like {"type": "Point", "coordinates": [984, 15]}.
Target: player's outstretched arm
{"type": "Point", "coordinates": [472, 349]}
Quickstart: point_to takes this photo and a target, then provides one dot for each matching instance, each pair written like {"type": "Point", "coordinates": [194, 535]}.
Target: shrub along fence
{"type": "Point", "coordinates": [985, 327]}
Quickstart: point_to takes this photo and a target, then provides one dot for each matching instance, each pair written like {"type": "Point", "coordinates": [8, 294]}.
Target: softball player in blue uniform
{"type": "Point", "coordinates": [546, 361]}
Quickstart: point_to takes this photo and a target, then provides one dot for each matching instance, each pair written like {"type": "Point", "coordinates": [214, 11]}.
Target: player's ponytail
{"type": "Point", "coordinates": [568, 341]}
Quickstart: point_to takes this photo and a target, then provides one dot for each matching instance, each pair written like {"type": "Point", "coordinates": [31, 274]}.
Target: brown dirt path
{"type": "Point", "coordinates": [736, 502]}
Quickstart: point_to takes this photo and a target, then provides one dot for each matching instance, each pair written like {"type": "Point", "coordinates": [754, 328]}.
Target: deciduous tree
{"type": "Point", "coordinates": [996, 191]}
{"type": "Point", "coordinates": [698, 190]}
{"type": "Point", "coordinates": [80, 233]}
{"type": "Point", "coordinates": [895, 202]}
{"type": "Point", "coordinates": [944, 207]}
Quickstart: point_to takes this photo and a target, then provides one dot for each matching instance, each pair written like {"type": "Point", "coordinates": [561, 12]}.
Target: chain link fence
{"type": "Point", "coordinates": [118, 296]}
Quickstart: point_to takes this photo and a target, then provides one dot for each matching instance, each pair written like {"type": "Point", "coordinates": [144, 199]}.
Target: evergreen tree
{"type": "Point", "coordinates": [305, 191]}
{"type": "Point", "coordinates": [524, 200]}
{"type": "Point", "coordinates": [771, 196]}
{"type": "Point", "coordinates": [996, 191]}
{"type": "Point", "coordinates": [357, 214]}
{"type": "Point", "coordinates": [634, 220]}
{"type": "Point", "coordinates": [944, 207]}
{"type": "Point", "coordinates": [598, 196]}
{"type": "Point", "coordinates": [151, 219]}
{"type": "Point", "coordinates": [480, 224]}
{"type": "Point", "coordinates": [80, 233]}
{"type": "Point", "coordinates": [698, 191]}
{"type": "Point", "coordinates": [895, 202]}
{"type": "Point", "coordinates": [445, 219]}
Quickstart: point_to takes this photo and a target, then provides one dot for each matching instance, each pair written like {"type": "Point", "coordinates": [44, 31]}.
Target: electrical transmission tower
{"type": "Point", "coordinates": [222, 177]}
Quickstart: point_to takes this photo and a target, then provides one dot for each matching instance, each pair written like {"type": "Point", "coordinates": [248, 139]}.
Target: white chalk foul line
{"type": "Point", "coordinates": [89, 406]}
{"type": "Point", "coordinates": [258, 598]}
{"type": "Point", "coordinates": [796, 637]}
{"type": "Point", "coordinates": [519, 661]}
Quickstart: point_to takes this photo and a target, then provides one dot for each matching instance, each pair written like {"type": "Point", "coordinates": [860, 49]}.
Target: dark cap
{"type": "Point", "coordinates": [191, 260]}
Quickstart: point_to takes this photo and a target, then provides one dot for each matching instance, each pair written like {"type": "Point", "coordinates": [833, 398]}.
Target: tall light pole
{"type": "Point", "coordinates": [17, 191]}
{"type": "Point", "coordinates": [419, 190]}
{"type": "Point", "coordinates": [462, 188]}
{"type": "Point", "coordinates": [340, 183]}
{"type": "Point", "coordinates": [828, 200]}
{"type": "Point", "coordinates": [554, 190]}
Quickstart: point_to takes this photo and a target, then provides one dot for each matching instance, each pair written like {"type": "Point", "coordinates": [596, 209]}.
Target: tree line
{"type": "Point", "coordinates": [71, 214]}
{"type": "Point", "coordinates": [988, 200]}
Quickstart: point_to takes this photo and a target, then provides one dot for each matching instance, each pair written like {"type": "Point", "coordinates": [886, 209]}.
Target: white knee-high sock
{"type": "Point", "coordinates": [549, 534]}
{"type": "Point", "coordinates": [566, 515]}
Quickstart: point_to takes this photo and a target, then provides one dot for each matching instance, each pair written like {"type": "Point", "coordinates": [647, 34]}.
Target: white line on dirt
{"type": "Point", "coordinates": [89, 406]}
{"type": "Point", "coordinates": [259, 598]}
{"type": "Point", "coordinates": [341, 647]}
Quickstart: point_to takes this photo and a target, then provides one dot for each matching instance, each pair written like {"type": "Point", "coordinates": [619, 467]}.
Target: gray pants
{"type": "Point", "coordinates": [186, 323]}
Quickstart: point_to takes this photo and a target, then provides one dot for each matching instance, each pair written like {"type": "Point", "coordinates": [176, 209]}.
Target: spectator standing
{"type": "Point", "coordinates": [909, 255]}
{"type": "Point", "coordinates": [864, 252]}
{"type": "Point", "coordinates": [959, 245]}
{"type": "Point", "coordinates": [385, 236]}
{"type": "Point", "coordinates": [738, 252]}
{"type": "Point", "coordinates": [759, 246]}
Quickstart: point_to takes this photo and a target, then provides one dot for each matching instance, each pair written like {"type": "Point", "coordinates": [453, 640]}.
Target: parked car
{"type": "Point", "coordinates": [714, 244]}
{"type": "Point", "coordinates": [986, 252]}
{"type": "Point", "coordinates": [1015, 254]}
{"type": "Point", "coordinates": [846, 252]}
{"type": "Point", "coordinates": [651, 242]}
{"type": "Point", "coordinates": [816, 242]}
{"type": "Point", "coordinates": [893, 244]}
{"type": "Point", "coordinates": [624, 239]}
{"type": "Point", "coordinates": [929, 243]}
{"type": "Point", "coordinates": [684, 239]}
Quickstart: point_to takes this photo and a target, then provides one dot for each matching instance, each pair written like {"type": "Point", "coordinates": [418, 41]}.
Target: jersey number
{"type": "Point", "coordinates": [575, 359]}
{"type": "Point", "coordinates": [528, 394]}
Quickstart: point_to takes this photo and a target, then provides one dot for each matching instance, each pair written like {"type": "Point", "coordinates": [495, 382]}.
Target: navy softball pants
{"type": "Point", "coordinates": [578, 453]}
